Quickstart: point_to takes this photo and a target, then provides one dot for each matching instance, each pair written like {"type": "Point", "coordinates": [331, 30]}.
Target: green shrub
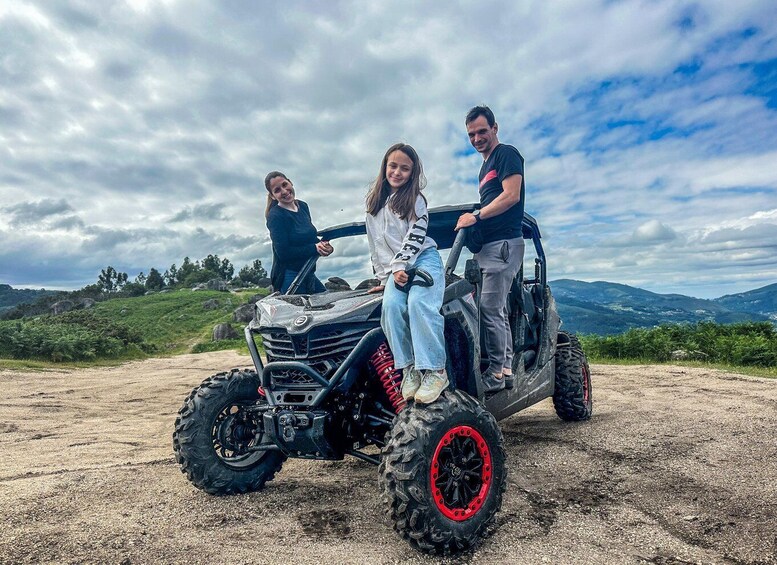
{"type": "Point", "coordinates": [744, 344]}
{"type": "Point", "coordinates": [74, 336]}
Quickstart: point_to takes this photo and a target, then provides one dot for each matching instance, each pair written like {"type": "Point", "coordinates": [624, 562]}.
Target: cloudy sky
{"type": "Point", "coordinates": [135, 133]}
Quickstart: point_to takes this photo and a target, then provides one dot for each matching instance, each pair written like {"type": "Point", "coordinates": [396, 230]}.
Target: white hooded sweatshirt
{"type": "Point", "coordinates": [395, 243]}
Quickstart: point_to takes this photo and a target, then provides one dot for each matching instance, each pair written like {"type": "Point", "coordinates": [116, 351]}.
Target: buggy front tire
{"type": "Point", "coordinates": [214, 435]}
{"type": "Point", "coordinates": [443, 473]}
{"type": "Point", "coordinates": [572, 397]}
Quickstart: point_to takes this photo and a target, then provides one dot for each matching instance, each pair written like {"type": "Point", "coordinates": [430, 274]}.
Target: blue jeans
{"type": "Point", "coordinates": [412, 321]}
{"type": "Point", "coordinates": [311, 285]}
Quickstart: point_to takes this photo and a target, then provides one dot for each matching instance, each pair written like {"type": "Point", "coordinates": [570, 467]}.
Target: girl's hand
{"type": "Point", "coordinates": [400, 277]}
{"type": "Point", "coordinates": [374, 289]}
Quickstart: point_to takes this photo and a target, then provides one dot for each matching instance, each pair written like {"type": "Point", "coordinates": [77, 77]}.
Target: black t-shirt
{"type": "Point", "coordinates": [504, 161]}
{"type": "Point", "coordinates": [293, 238]}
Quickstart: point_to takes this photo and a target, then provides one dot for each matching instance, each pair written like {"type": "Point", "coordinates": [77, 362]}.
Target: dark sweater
{"type": "Point", "coordinates": [293, 238]}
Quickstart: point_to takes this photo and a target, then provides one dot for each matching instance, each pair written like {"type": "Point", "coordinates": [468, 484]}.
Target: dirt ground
{"type": "Point", "coordinates": [678, 465]}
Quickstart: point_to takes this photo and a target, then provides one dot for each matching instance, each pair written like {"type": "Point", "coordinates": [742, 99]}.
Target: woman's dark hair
{"type": "Point", "coordinates": [403, 202]}
{"type": "Point", "coordinates": [270, 200]}
{"type": "Point", "coordinates": [477, 111]}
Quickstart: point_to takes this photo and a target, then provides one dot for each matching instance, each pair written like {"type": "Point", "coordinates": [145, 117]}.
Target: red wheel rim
{"type": "Point", "coordinates": [586, 384]}
{"type": "Point", "coordinates": [461, 473]}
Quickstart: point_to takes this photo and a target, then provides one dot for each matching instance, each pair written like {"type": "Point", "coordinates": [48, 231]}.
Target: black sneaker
{"type": "Point", "coordinates": [509, 380]}
{"type": "Point", "coordinates": [492, 383]}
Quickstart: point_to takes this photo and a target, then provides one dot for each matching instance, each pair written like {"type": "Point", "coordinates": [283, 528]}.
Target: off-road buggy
{"type": "Point", "coordinates": [329, 389]}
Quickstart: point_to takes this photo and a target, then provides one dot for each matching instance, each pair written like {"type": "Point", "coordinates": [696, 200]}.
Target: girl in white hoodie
{"type": "Point", "coordinates": [397, 220]}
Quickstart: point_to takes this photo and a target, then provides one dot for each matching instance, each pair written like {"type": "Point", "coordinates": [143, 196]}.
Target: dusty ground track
{"type": "Point", "coordinates": [678, 465]}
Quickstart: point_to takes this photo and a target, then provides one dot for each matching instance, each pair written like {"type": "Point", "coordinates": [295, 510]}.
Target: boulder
{"type": "Point", "coordinates": [243, 313]}
{"type": "Point", "coordinates": [61, 307]}
{"type": "Point", "coordinates": [680, 355]}
{"type": "Point", "coordinates": [217, 284]}
{"type": "Point", "coordinates": [264, 283]}
{"type": "Point", "coordinates": [211, 304]}
{"type": "Point", "coordinates": [201, 286]}
{"type": "Point", "coordinates": [683, 355]}
{"type": "Point", "coordinates": [367, 284]}
{"type": "Point", "coordinates": [224, 331]}
{"type": "Point", "coordinates": [336, 283]}
{"type": "Point", "coordinates": [255, 298]}
{"type": "Point", "coordinates": [86, 303]}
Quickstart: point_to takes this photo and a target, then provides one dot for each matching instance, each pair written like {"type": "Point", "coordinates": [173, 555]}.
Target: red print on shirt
{"type": "Point", "coordinates": [489, 176]}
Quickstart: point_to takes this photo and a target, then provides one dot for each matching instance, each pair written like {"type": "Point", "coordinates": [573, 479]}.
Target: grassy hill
{"type": "Point", "coordinates": [175, 322]}
{"type": "Point", "coordinates": [124, 328]}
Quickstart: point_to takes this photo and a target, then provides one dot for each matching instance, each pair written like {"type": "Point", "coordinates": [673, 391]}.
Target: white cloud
{"type": "Point", "coordinates": [135, 114]}
{"type": "Point", "coordinates": [653, 231]}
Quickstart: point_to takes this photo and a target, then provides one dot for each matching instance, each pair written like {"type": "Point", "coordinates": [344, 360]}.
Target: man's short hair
{"type": "Point", "coordinates": [477, 111]}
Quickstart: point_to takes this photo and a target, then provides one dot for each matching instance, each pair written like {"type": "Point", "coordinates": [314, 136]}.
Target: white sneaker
{"type": "Point", "coordinates": [432, 385]}
{"type": "Point", "coordinates": [411, 380]}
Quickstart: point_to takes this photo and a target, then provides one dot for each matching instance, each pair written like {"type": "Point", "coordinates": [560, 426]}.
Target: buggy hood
{"type": "Point", "coordinates": [297, 313]}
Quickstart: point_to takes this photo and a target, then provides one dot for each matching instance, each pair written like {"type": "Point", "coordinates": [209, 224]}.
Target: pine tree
{"type": "Point", "coordinates": [154, 280]}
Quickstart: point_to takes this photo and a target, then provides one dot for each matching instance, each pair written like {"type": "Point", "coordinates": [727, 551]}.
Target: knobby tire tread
{"type": "Point", "coordinates": [405, 469]}
{"type": "Point", "coordinates": [571, 370]}
{"type": "Point", "coordinates": [193, 442]}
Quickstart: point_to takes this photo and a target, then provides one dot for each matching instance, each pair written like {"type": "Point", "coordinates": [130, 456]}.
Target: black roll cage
{"type": "Point", "coordinates": [442, 220]}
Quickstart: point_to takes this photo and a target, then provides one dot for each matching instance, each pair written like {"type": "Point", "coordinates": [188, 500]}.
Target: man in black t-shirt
{"type": "Point", "coordinates": [499, 221]}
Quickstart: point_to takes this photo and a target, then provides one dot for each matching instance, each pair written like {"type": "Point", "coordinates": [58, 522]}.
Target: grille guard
{"type": "Point", "coordinates": [310, 394]}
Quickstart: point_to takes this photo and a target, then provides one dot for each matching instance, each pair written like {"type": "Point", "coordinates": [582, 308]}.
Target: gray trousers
{"type": "Point", "coordinates": [500, 261]}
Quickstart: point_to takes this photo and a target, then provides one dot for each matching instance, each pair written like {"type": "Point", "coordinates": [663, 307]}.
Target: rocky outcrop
{"type": "Point", "coordinates": [367, 284]}
{"type": "Point", "coordinates": [211, 304]}
{"type": "Point", "coordinates": [336, 283]}
{"type": "Point", "coordinates": [224, 331]}
{"type": "Point", "coordinates": [684, 355]}
{"type": "Point", "coordinates": [243, 313]}
{"type": "Point", "coordinates": [61, 307]}
{"type": "Point", "coordinates": [216, 284]}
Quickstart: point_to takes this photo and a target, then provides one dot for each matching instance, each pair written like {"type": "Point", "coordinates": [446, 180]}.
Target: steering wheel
{"type": "Point", "coordinates": [417, 277]}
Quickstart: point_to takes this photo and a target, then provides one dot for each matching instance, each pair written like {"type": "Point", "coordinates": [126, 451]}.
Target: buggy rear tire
{"type": "Point", "coordinates": [213, 435]}
{"type": "Point", "coordinates": [443, 473]}
{"type": "Point", "coordinates": [572, 394]}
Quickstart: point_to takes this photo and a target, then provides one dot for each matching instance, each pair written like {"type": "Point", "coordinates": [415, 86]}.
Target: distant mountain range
{"type": "Point", "coordinates": [609, 308]}
{"type": "Point", "coordinates": [599, 307]}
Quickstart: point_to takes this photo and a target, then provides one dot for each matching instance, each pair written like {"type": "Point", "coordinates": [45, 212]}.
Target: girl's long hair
{"type": "Point", "coordinates": [403, 203]}
{"type": "Point", "coordinates": [270, 200]}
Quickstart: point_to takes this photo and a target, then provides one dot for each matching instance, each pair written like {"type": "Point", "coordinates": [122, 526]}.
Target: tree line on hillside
{"type": "Point", "coordinates": [115, 284]}
{"type": "Point", "coordinates": [744, 343]}
{"type": "Point", "coordinates": [189, 274]}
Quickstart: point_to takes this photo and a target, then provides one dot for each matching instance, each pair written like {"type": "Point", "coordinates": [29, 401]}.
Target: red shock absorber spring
{"type": "Point", "coordinates": [391, 379]}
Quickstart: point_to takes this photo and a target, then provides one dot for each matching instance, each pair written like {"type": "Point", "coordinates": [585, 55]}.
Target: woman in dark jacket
{"type": "Point", "coordinates": [293, 235]}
